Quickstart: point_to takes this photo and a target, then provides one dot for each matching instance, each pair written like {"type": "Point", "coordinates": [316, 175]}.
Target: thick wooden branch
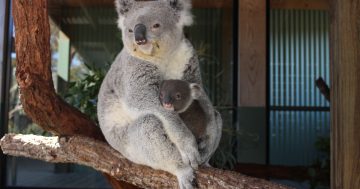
{"type": "Point", "coordinates": [33, 74]}
{"type": "Point", "coordinates": [102, 157]}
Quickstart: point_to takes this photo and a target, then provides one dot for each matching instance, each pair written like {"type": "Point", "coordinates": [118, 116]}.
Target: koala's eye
{"type": "Point", "coordinates": [178, 96]}
{"type": "Point", "coordinates": [130, 31]}
{"type": "Point", "coordinates": [156, 25]}
{"type": "Point", "coordinates": [161, 95]}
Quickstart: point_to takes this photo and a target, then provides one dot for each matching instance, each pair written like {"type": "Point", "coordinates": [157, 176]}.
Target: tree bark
{"type": "Point", "coordinates": [102, 157]}
{"type": "Point", "coordinates": [33, 74]}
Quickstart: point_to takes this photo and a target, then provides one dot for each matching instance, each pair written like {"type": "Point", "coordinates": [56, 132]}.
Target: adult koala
{"type": "Point", "coordinates": [130, 114]}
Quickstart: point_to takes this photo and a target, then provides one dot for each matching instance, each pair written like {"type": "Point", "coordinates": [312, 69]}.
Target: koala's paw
{"type": "Point", "coordinates": [191, 156]}
{"type": "Point", "coordinates": [186, 178]}
{"type": "Point", "coordinates": [196, 91]}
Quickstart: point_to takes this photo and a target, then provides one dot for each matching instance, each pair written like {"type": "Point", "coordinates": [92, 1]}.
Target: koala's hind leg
{"type": "Point", "coordinates": [147, 143]}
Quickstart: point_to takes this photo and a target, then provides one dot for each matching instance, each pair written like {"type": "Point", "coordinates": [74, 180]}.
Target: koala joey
{"type": "Point", "coordinates": [181, 97]}
{"type": "Point", "coordinates": [130, 114]}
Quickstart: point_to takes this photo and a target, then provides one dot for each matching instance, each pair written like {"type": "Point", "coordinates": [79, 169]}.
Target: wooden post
{"type": "Point", "coordinates": [252, 53]}
{"type": "Point", "coordinates": [252, 80]}
{"type": "Point", "coordinates": [345, 94]}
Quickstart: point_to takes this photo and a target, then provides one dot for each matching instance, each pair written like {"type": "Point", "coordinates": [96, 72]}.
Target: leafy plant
{"type": "Point", "coordinates": [319, 172]}
{"type": "Point", "coordinates": [224, 157]}
{"type": "Point", "coordinates": [83, 93]}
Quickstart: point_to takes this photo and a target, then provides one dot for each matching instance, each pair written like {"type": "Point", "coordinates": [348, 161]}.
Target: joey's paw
{"type": "Point", "coordinates": [196, 91]}
{"type": "Point", "coordinates": [202, 142]}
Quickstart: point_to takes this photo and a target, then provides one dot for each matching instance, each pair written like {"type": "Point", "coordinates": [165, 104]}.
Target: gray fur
{"type": "Point", "coordinates": [193, 114]}
{"type": "Point", "coordinates": [177, 95]}
{"type": "Point", "coordinates": [130, 114]}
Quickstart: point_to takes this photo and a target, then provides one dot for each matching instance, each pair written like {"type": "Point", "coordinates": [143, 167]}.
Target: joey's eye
{"type": "Point", "coordinates": [178, 96]}
{"type": "Point", "coordinates": [130, 31]}
{"type": "Point", "coordinates": [156, 25]}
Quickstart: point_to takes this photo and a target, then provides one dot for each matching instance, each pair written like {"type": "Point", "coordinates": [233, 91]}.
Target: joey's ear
{"type": "Point", "coordinates": [183, 8]}
{"type": "Point", "coordinates": [196, 90]}
{"type": "Point", "coordinates": [161, 85]}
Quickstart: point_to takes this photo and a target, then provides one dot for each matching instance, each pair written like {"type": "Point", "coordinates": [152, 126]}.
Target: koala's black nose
{"type": "Point", "coordinates": [140, 34]}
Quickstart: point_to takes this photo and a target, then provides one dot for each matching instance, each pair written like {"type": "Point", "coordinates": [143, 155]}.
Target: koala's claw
{"type": "Point", "coordinates": [186, 179]}
{"type": "Point", "coordinates": [194, 163]}
{"type": "Point", "coordinates": [191, 157]}
{"type": "Point", "coordinates": [189, 161]}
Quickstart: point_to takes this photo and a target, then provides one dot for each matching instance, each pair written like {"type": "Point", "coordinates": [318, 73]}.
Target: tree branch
{"type": "Point", "coordinates": [33, 74]}
{"type": "Point", "coordinates": [102, 157]}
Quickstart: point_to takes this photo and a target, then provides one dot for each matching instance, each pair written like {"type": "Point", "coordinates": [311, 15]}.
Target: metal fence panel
{"type": "Point", "coordinates": [299, 54]}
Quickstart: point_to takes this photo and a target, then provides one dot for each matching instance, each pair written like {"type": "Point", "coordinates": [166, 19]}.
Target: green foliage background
{"type": "Point", "coordinates": [83, 93]}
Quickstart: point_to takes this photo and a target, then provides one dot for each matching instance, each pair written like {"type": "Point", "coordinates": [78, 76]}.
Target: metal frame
{"type": "Point", "coordinates": [300, 108]}
{"type": "Point", "coordinates": [267, 101]}
{"type": "Point", "coordinates": [5, 32]}
{"type": "Point", "coordinates": [276, 108]}
{"type": "Point", "coordinates": [235, 70]}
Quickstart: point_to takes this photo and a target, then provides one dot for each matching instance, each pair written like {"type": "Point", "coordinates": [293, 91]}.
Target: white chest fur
{"type": "Point", "coordinates": [174, 65]}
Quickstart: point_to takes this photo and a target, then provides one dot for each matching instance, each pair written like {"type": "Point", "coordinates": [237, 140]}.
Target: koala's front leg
{"type": "Point", "coordinates": [182, 137]}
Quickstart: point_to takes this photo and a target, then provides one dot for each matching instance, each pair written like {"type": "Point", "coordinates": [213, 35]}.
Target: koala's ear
{"type": "Point", "coordinates": [123, 6]}
{"type": "Point", "coordinates": [183, 7]}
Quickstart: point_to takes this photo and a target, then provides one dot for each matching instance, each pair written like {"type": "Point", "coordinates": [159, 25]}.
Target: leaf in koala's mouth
{"type": "Point", "coordinates": [157, 45]}
{"type": "Point", "coordinates": [146, 49]}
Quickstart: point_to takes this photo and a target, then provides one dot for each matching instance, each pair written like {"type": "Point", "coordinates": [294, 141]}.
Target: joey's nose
{"type": "Point", "coordinates": [140, 34]}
